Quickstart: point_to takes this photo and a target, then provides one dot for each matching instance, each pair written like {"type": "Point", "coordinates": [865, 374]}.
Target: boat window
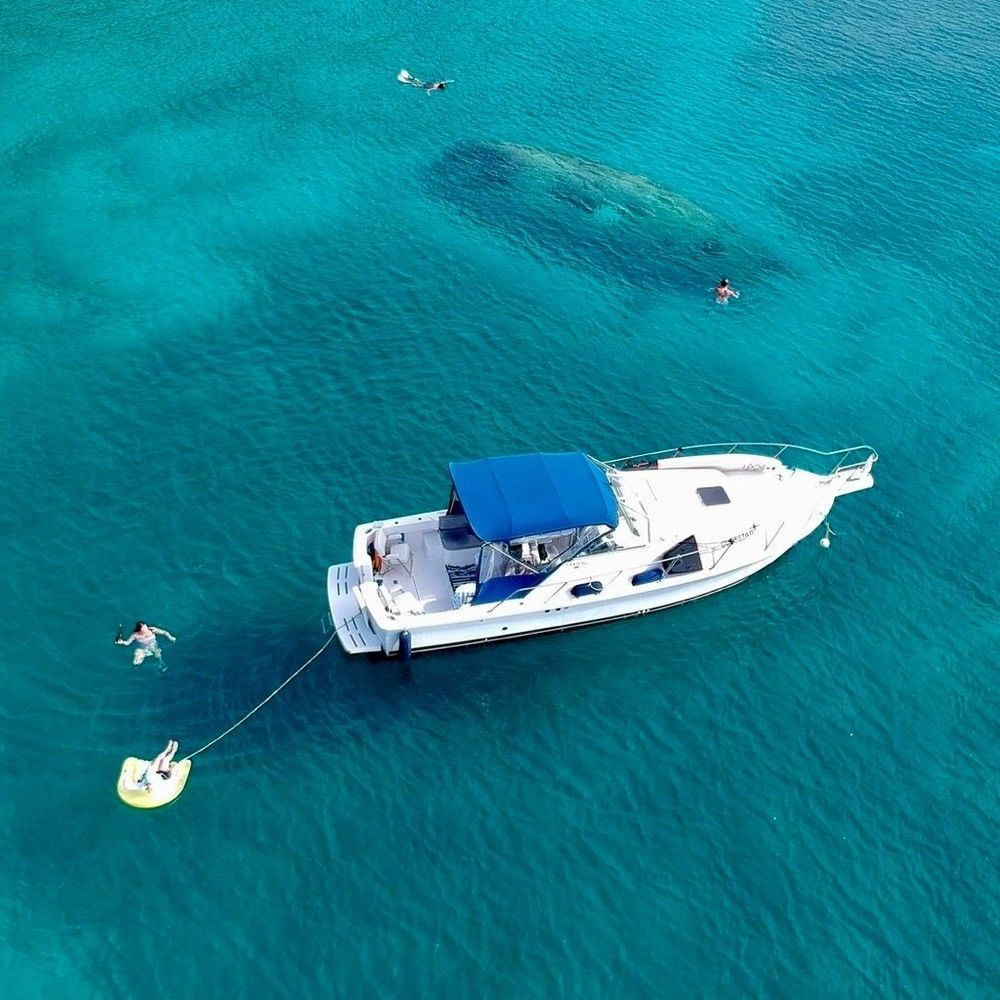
{"type": "Point", "coordinates": [498, 560]}
{"type": "Point", "coordinates": [554, 550]}
{"type": "Point", "coordinates": [592, 540]}
{"type": "Point", "coordinates": [502, 574]}
{"type": "Point", "coordinates": [605, 544]}
{"type": "Point", "coordinates": [712, 496]}
{"type": "Point", "coordinates": [682, 558]}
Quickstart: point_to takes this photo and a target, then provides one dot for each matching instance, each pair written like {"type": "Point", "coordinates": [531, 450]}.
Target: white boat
{"type": "Point", "coordinates": [546, 542]}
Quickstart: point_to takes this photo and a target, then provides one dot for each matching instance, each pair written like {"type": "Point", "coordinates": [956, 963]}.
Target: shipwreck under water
{"type": "Point", "coordinates": [587, 214]}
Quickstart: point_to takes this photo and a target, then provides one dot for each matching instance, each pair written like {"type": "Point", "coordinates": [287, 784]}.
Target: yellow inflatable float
{"type": "Point", "coordinates": [142, 788]}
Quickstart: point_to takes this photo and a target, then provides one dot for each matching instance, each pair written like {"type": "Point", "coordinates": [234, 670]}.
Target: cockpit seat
{"type": "Point", "coordinates": [392, 550]}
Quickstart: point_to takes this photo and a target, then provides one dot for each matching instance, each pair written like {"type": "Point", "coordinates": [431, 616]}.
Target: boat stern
{"type": "Point", "coordinates": [350, 620]}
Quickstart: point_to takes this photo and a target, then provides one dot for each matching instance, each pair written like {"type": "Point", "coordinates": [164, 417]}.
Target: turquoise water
{"type": "Point", "coordinates": [241, 313]}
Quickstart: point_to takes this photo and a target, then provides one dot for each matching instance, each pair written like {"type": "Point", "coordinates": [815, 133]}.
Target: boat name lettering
{"type": "Point", "coordinates": [753, 467]}
{"type": "Point", "coordinates": [743, 534]}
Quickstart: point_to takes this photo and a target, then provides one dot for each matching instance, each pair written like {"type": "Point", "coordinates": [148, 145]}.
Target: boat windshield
{"type": "Point", "coordinates": [534, 557]}
{"type": "Point", "coordinates": [628, 506]}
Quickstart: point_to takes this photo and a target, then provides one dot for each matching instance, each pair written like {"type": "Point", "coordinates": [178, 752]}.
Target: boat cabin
{"type": "Point", "coordinates": [532, 513]}
{"type": "Point", "coordinates": [510, 523]}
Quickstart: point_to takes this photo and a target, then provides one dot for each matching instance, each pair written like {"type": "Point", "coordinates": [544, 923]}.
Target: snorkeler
{"type": "Point", "coordinates": [724, 292]}
{"type": "Point", "coordinates": [404, 76]}
{"type": "Point", "coordinates": [145, 636]}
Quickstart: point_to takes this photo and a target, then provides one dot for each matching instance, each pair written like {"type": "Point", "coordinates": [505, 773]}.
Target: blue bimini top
{"type": "Point", "coordinates": [521, 495]}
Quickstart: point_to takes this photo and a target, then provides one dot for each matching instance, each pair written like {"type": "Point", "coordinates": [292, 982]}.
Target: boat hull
{"type": "Point", "coordinates": [519, 624]}
{"type": "Point", "coordinates": [550, 629]}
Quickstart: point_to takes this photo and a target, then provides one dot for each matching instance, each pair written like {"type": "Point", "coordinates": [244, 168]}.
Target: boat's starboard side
{"type": "Point", "coordinates": [779, 504]}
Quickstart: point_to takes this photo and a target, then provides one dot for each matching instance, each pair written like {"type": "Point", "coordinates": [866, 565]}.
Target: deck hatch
{"type": "Point", "coordinates": [712, 496]}
{"type": "Point", "coordinates": [682, 558]}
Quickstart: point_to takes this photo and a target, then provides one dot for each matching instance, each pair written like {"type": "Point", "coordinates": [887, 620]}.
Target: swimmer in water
{"type": "Point", "coordinates": [724, 292]}
{"type": "Point", "coordinates": [404, 76]}
{"type": "Point", "coordinates": [145, 637]}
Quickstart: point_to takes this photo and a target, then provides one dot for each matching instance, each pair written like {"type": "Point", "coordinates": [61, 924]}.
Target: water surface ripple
{"type": "Point", "coordinates": [241, 312]}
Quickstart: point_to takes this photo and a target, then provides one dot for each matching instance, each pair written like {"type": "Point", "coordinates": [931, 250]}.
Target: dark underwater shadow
{"type": "Point", "coordinates": [621, 226]}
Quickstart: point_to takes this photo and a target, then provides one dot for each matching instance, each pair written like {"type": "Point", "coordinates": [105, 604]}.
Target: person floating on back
{"type": "Point", "coordinates": [145, 636]}
{"type": "Point", "coordinates": [404, 76]}
{"type": "Point", "coordinates": [161, 766]}
{"type": "Point", "coordinates": [724, 292]}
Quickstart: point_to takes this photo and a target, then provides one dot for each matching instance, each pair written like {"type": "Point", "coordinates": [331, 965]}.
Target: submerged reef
{"type": "Point", "coordinates": [585, 213]}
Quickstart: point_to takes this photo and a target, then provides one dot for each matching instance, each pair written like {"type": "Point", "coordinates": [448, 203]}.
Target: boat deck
{"type": "Point", "coordinates": [426, 586]}
{"type": "Point", "coordinates": [707, 502]}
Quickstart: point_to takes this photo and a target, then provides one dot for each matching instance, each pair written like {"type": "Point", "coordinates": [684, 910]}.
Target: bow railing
{"type": "Point", "coordinates": [824, 463]}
